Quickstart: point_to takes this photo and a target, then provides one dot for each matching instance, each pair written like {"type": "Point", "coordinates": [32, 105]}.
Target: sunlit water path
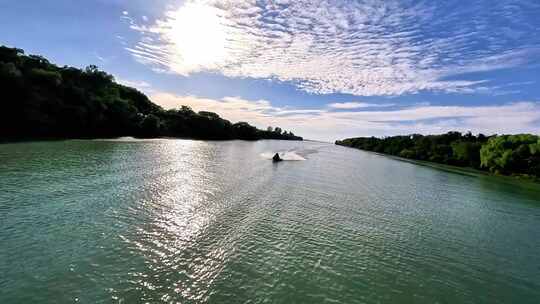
{"type": "Point", "coordinates": [185, 221]}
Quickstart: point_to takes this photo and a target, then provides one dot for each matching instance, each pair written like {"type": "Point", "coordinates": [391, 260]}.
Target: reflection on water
{"type": "Point", "coordinates": [177, 211]}
{"type": "Point", "coordinates": [132, 221]}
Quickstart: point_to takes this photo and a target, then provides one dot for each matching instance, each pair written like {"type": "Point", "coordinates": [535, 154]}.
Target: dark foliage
{"type": "Point", "coordinates": [42, 100]}
{"type": "Point", "coordinates": [506, 154]}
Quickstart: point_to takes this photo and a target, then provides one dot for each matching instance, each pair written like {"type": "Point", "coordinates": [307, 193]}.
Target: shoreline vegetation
{"type": "Point", "coordinates": [43, 101]}
{"type": "Point", "coordinates": [508, 155]}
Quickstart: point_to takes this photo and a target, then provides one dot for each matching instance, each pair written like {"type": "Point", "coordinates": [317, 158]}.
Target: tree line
{"type": "Point", "coordinates": [42, 100]}
{"type": "Point", "coordinates": [501, 154]}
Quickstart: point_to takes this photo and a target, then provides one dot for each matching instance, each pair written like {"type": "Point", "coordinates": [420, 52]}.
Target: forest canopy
{"type": "Point", "coordinates": [42, 100]}
{"type": "Point", "coordinates": [505, 154]}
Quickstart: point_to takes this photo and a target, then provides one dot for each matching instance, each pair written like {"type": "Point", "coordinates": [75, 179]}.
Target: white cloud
{"type": "Point", "coordinates": [359, 47]}
{"type": "Point", "coordinates": [100, 58]}
{"type": "Point", "coordinates": [357, 105]}
{"type": "Point", "coordinates": [138, 84]}
{"type": "Point", "coordinates": [325, 124]}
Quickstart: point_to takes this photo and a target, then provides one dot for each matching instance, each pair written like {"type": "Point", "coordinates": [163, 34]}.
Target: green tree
{"type": "Point", "coordinates": [150, 125]}
{"type": "Point", "coordinates": [40, 99]}
{"type": "Point", "coordinates": [510, 154]}
{"type": "Point", "coordinates": [467, 152]}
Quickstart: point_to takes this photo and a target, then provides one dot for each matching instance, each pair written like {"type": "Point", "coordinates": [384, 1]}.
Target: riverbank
{"type": "Point", "coordinates": [467, 170]}
{"type": "Point", "coordinates": [510, 155]}
{"type": "Point", "coordinates": [43, 100]}
{"type": "Point", "coordinates": [124, 138]}
{"type": "Point", "coordinates": [522, 179]}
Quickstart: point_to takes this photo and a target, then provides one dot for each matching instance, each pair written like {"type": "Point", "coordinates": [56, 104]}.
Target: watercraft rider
{"type": "Point", "coordinates": [276, 158]}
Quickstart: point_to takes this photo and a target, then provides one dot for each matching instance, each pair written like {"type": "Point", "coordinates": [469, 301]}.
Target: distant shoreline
{"type": "Point", "coordinates": [472, 172]}
{"type": "Point", "coordinates": [116, 138]}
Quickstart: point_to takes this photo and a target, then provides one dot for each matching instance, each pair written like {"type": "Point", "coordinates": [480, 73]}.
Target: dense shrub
{"type": "Point", "coordinates": [506, 154]}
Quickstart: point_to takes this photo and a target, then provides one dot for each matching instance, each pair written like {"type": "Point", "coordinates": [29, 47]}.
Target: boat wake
{"type": "Point", "coordinates": [284, 155]}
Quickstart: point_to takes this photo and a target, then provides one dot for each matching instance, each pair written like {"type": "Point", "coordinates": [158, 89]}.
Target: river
{"type": "Point", "coordinates": [166, 221]}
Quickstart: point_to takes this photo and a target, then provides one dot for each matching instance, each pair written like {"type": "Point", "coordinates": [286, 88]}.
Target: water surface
{"type": "Point", "coordinates": [186, 221]}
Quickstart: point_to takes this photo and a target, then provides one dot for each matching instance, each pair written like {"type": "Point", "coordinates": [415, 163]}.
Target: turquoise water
{"type": "Point", "coordinates": [167, 221]}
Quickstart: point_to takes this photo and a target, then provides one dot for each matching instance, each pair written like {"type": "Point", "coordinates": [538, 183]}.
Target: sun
{"type": "Point", "coordinates": [197, 35]}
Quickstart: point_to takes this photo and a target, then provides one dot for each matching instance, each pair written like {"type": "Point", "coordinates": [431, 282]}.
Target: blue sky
{"type": "Point", "coordinates": [324, 69]}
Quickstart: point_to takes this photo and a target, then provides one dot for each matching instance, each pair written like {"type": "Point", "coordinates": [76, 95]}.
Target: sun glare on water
{"type": "Point", "coordinates": [197, 33]}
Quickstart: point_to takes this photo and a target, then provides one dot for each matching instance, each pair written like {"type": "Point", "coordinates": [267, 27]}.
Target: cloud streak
{"type": "Point", "coordinates": [327, 124]}
{"type": "Point", "coordinates": [357, 105]}
{"type": "Point", "coordinates": [363, 47]}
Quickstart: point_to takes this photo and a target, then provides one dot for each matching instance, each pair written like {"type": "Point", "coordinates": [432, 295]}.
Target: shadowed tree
{"type": "Point", "coordinates": [42, 100]}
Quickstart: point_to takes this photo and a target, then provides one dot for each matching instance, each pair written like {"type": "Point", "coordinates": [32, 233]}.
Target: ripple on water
{"type": "Point", "coordinates": [193, 221]}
